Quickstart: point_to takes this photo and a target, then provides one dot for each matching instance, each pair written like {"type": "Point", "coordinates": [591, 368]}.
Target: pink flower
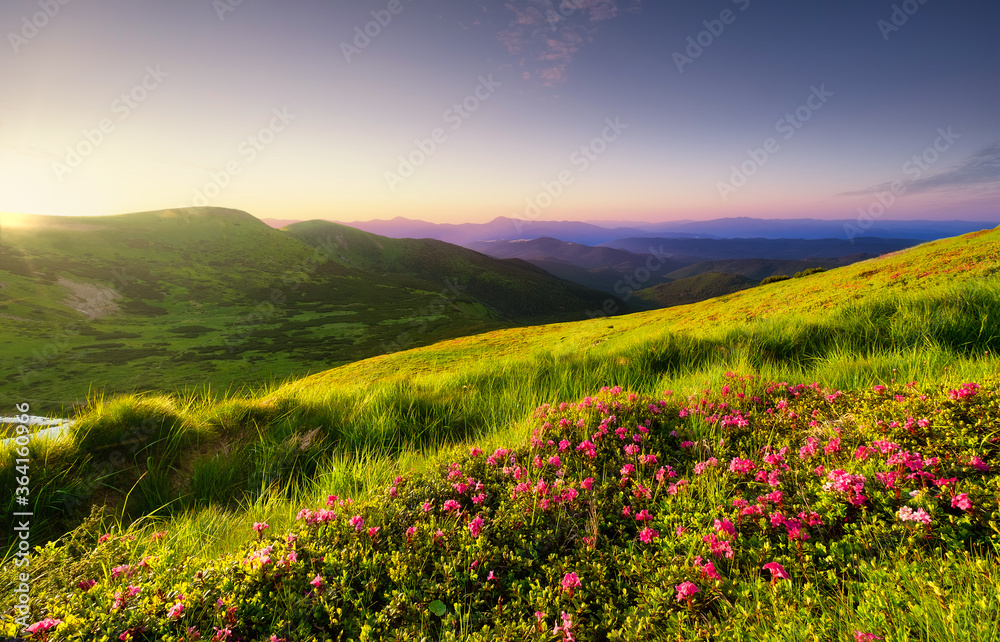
{"type": "Point", "coordinates": [567, 625]}
{"type": "Point", "coordinates": [570, 581]}
{"type": "Point", "coordinates": [725, 527]}
{"type": "Point", "coordinates": [777, 571]}
{"type": "Point", "coordinates": [554, 461]}
{"type": "Point", "coordinates": [259, 527]}
{"type": "Point", "coordinates": [426, 506]}
{"type": "Point", "coordinates": [176, 610]}
{"type": "Point", "coordinates": [476, 526]}
{"type": "Point", "coordinates": [358, 522]}
{"type": "Point", "coordinates": [373, 531]}
{"type": "Point", "coordinates": [587, 484]}
{"type": "Point", "coordinates": [451, 505]}
{"type": "Point", "coordinates": [118, 570]}
{"type": "Point", "coordinates": [979, 465]}
{"type": "Point", "coordinates": [961, 501]}
{"type": "Point", "coordinates": [907, 514]}
{"type": "Point", "coordinates": [627, 470]}
{"type": "Point", "coordinates": [718, 547]}
{"type": "Point", "coordinates": [103, 538]}
{"type": "Point", "coordinates": [45, 625]}
{"type": "Point", "coordinates": [317, 582]}
{"type": "Point", "coordinates": [685, 591]}
{"type": "Point", "coordinates": [707, 569]}
{"type": "Point", "coordinates": [866, 637]}
{"type": "Point", "coordinates": [331, 501]}
{"type": "Point", "coordinates": [647, 535]}
{"type": "Point", "coordinates": [738, 465]}
{"type": "Point", "coordinates": [475, 452]}
{"type": "Point", "coordinates": [86, 585]}
{"type": "Point", "coordinates": [644, 516]}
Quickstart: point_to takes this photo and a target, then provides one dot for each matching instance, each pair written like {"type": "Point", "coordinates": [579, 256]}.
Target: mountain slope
{"type": "Point", "coordinates": [930, 313]}
{"type": "Point", "coordinates": [512, 288]}
{"type": "Point", "coordinates": [695, 288]}
{"type": "Point", "coordinates": [208, 296]}
{"type": "Point", "coordinates": [782, 248]}
{"type": "Point", "coordinates": [760, 269]}
{"type": "Point", "coordinates": [921, 274]}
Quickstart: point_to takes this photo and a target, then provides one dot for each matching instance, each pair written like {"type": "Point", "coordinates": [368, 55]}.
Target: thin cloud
{"type": "Point", "coordinates": [981, 168]}
{"type": "Point", "coordinates": [545, 35]}
{"type": "Point", "coordinates": [979, 171]}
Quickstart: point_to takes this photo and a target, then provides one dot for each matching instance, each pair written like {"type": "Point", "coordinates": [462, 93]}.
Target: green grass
{"type": "Point", "coordinates": [848, 328]}
{"type": "Point", "coordinates": [155, 301]}
{"type": "Point", "coordinates": [205, 462]}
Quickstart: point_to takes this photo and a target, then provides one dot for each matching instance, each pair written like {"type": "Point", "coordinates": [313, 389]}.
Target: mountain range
{"type": "Point", "coordinates": [596, 233]}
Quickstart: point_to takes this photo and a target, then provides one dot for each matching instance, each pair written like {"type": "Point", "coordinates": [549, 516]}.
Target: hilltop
{"type": "Point", "coordinates": [209, 296]}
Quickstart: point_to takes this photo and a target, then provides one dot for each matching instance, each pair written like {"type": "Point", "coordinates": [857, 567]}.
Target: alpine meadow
{"type": "Point", "coordinates": [532, 320]}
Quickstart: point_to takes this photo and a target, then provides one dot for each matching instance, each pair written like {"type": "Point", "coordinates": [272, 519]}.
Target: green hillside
{"type": "Point", "coordinates": [695, 288]}
{"type": "Point", "coordinates": [508, 287]}
{"type": "Point", "coordinates": [206, 296]}
{"type": "Point", "coordinates": [760, 269]}
{"type": "Point", "coordinates": [893, 358]}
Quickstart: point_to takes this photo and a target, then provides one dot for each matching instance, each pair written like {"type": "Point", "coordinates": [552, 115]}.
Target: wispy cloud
{"type": "Point", "coordinates": [981, 168]}
{"type": "Point", "coordinates": [545, 35]}
{"type": "Point", "coordinates": [978, 172]}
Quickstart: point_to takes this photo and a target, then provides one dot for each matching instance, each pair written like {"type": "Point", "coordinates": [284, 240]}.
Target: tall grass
{"type": "Point", "coordinates": [208, 450]}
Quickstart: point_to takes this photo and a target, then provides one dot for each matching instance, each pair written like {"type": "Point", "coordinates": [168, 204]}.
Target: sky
{"type": "Point", "coordinates": [462, 111]}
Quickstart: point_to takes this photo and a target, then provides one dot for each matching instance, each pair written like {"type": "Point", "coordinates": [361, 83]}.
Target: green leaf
{"type": "Point", "coordinates": [437, 607]}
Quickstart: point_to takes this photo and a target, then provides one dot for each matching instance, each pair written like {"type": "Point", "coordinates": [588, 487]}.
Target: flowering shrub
{"type": "Point", "coordinates": [624, 516]}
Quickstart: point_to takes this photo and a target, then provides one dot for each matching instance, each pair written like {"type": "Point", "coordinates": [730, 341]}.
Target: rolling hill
{"type": "Point", "coordinates": [775, 248]}
{"type": "Point", "coordinates": [208, 296]}
{"type": "Point", "coordinates": [712, 390]}
{"type": "Point", "coordinates": [697, 288]}
{"type": "Point", "coordinates": [760, 269]}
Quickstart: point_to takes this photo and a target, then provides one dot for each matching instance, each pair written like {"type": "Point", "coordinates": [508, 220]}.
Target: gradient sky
{"type": "Point", "coordinates": [896, 79]}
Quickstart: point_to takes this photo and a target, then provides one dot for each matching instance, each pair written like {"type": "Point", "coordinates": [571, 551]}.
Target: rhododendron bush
{"type": "Point", "coordinates": [624, 518]}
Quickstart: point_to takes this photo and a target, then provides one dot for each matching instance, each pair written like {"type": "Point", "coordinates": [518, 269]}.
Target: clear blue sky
{"type": "Point", "coordinates": [778, 108]}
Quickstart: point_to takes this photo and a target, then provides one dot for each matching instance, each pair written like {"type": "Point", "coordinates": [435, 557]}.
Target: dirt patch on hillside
{"type": "Point", "coordinates": [94, 301]}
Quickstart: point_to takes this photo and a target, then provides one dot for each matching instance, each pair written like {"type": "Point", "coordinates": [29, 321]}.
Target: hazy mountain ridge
{"type": "Point", "coordinates": [602, 232]}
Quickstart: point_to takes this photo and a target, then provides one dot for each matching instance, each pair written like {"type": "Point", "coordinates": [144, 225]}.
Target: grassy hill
{"type": "Point", "coordinates": [512, 288]}
{"type": "Point", "coordinates": [760, 269]}
{"type": "Point", "coordinates": [844, 343]}
{"type": "Point", "coordinates": [207, 296]}
{"type": "Point", "coordinates": [695, 288]}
